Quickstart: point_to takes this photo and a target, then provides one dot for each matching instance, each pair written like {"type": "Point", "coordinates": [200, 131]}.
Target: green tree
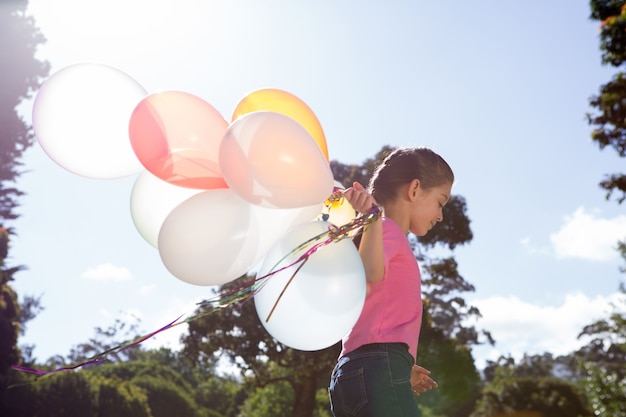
{"type": "Point", "coordinates": [237, 333]}
{"type": "Point", "coordinates": [508, 395]}
{"type": "Point", "coordinates": [535, 366]}
{"type": "Point", "coordinates": [222, 395]}
{"type": "Point", "coordinates": [115, 397]}
{"type": "Point", "coordinates": [609, 119]}
{"type": "Point", "coordinates": [275, 400]}
{"type": "Point", "coordinates": [219, 395]}
{"type": "Point", "coordinates": [605, 390]}
{"type": "Point", "coordinates": [9, 310]}
{"type": "Point", "coordinates": [118, 390]}
{"type": "Point", "coordinates": [65, 394]}
{"type": "Point", "coordinates": [167, 392]}
{"type": "Point", "coordinates": [20, 73]}
{"type": "Point", "coordinates": [603, 359]}
{"type": "Point", "coordinates": [607, 347]}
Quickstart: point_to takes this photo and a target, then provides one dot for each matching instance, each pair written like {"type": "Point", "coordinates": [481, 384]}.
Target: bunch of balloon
{"type": "Point", "coordinates": [247, 183]}
{"type": "Point", "coordinates": [214, 197]}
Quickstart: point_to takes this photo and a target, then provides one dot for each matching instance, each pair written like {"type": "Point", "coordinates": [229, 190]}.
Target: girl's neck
{"type": "Point", "coordinates": [398, 215]}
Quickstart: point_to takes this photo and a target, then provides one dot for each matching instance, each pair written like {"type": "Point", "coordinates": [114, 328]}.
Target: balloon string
{"type": "Point", "coordinates": [101, 356]}
{"type": "Point", "coordinates": [284, 289]}
{"type": "Point", "coordinates": [243, 293]}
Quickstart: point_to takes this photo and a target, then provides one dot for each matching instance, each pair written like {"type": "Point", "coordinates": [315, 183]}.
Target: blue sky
{"type": "Point", "coordinates": [500, 89]}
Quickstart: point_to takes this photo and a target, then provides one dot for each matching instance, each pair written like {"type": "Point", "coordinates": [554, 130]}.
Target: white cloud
{"type": "Point", "coordinates": [107, 273]}
{"type": "Point", "coordinates": [535, 250]}
{"type": "Point", "coordinates": [521, 327]}
{"type": "Point", "coordinates": [587, 236]}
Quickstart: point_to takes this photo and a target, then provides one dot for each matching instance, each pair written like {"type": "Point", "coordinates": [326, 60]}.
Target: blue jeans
{"type": "Point", "coordinates": [373, 381]}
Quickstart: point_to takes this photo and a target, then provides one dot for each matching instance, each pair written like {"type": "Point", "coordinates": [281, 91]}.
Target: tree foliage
{"type": "Point", "coordinates": [609, 119]}
{"type": "Point", "coordinates": [153, 383]}
{"type": "Point", "coordinates": [531, 397]}
{"type": "Point", "coordinates": [20, 73]}
{"type": "Point", "coordinates": [533, 366]}
{"type": "Point", "coordinates": [603, 360]}
{"type": "Point", "coordinates": [534, 387]}
{"type": "Point", "coordinates": [9, 311]}
{"type": "Point", "coordinates": [606, 390]}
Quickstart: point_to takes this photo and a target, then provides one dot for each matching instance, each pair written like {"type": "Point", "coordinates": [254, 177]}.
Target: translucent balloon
{"type": "Point", "coordinates": [270, 160]}
{"type": "Point", "coordinates": [177, 136]}
{"type": "Point", "coordinates": [273, 224]}
{"type": "Point", "coordinates": [151, 201]}
{"type": "Point", "coordinates": [210, 238]}
{"type": "Point", "coordinates": [80, 119]}
{"type": "Point", "coordinates": [283, 102]}
{"type": "Point", "coordinates": [325, 298]}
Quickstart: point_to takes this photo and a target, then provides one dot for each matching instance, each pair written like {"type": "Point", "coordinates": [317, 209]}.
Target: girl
{"type": "Point", "coordinates": [375, 375]}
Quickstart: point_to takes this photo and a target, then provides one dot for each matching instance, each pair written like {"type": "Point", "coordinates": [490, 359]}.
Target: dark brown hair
{"type": "Point", "coordinates": [404, 165]}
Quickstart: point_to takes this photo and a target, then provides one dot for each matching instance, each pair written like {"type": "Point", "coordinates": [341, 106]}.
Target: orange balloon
{"type": "Point", "coordinates": [279, 101]}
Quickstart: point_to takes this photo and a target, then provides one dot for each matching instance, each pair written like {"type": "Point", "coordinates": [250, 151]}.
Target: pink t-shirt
{"type": "Point", "coordinates": [393, 306]}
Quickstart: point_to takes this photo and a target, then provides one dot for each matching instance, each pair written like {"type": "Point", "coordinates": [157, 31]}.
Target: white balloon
{"type": "Point", "coordinates": [151, 201]}
{"type": "Point", "coordinates": [81, 116]}
{"type": "Point", "coordinates": [209, 239]}
{"type": "Point", "coordinates": [324, 299]}
{"type": "Point", "coordinates": [275, 223]}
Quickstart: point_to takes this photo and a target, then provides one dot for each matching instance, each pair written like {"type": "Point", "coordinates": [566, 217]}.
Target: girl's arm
{"type": "Point", "coordinates": [371, 247]}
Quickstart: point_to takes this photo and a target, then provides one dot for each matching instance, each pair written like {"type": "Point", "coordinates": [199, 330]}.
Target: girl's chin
{"type": "Point", "coordinates": [420, 233]}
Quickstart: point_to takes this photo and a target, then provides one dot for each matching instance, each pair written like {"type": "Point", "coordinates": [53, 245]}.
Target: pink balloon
{"type": "Point", "coordinates": [270, 160]}
{"type": "Point", "coordinates": [177, 136]}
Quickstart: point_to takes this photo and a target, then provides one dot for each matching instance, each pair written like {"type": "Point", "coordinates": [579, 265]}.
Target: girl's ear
{"type": "Point", "coordinates": [414, 188]}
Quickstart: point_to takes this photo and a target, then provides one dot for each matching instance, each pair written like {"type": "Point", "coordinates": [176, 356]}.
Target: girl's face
{"type": "Point", "coordinates": [427, 208]}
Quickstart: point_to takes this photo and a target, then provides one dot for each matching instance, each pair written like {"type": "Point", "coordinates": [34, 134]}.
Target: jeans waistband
{"type": "Point", "coordinates": [377, 347]}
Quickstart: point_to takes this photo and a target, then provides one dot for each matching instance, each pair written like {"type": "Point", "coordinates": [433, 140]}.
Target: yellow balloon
{"type": "Point", "coordinates": [283, 102]}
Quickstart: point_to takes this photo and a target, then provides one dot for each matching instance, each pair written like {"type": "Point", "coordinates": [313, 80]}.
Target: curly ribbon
{"type": "Point", "coordinates": [248, 289]}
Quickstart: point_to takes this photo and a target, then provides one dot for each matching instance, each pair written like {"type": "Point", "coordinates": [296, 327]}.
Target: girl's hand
{"type": "Point", "coordinates": [359, 198]}
{"type": "Point", "coordinates": [421, 381]}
